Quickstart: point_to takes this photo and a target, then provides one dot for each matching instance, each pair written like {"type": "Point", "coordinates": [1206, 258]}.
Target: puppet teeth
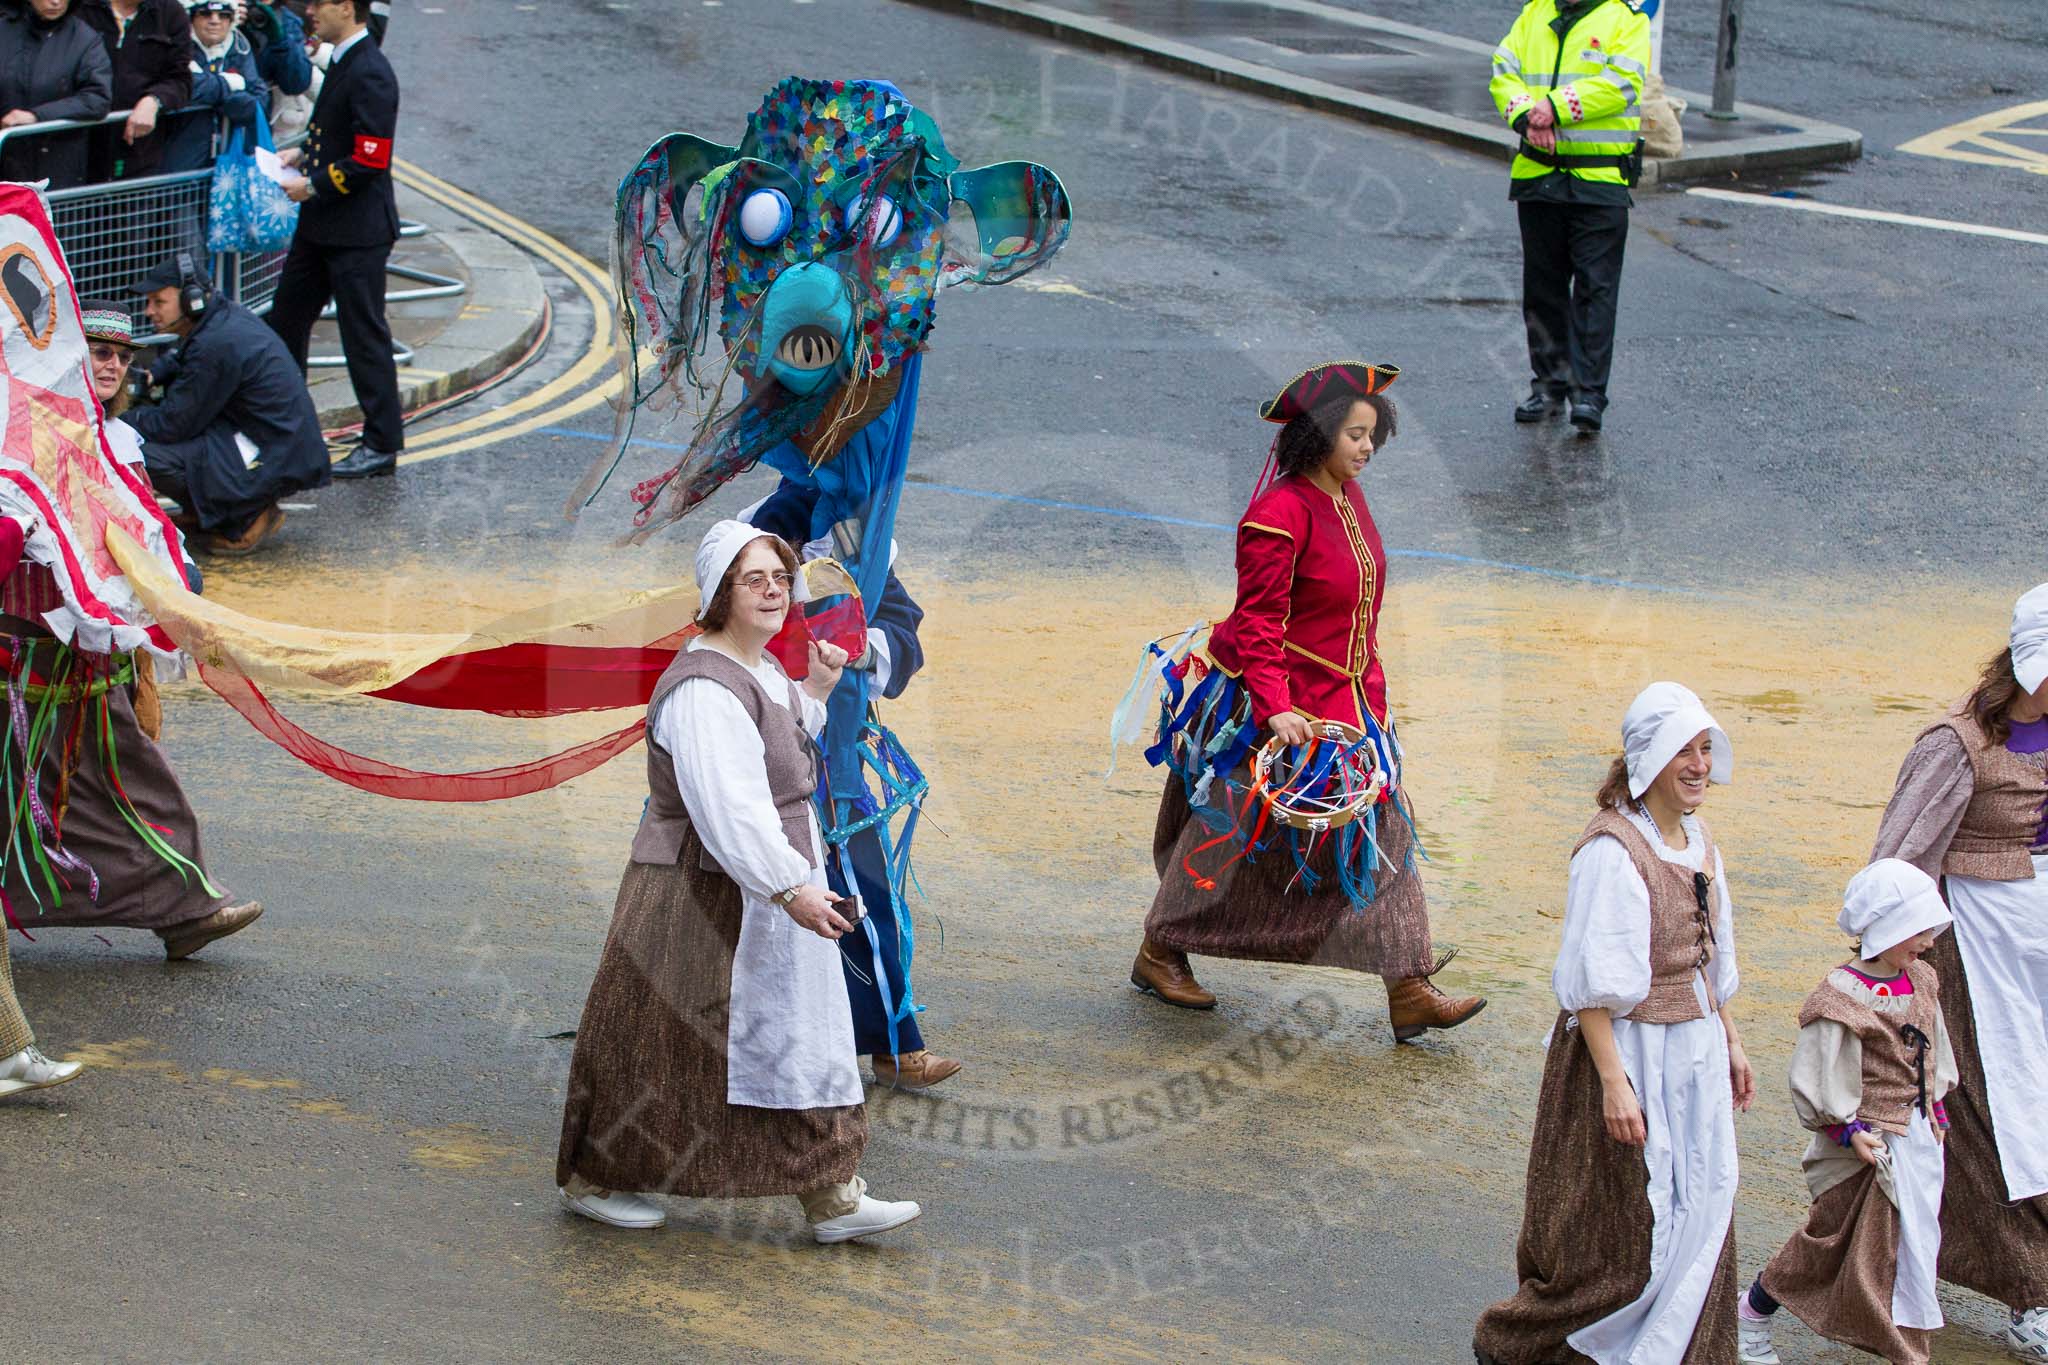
{"type": "Point", "coordinates": [809, 348]}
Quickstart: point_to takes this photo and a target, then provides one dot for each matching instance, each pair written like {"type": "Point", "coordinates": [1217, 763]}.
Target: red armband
{"type": "Point", "coordinates": [374, 152]}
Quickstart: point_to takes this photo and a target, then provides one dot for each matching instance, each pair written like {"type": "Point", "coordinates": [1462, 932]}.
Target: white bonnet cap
{"type": "Point", "coordinates": [1889, 902]}
{"type": "Point", "coordinates": [1663, 719]}
{"type": "Point", "coordinates": [716, 552]}
{"type": "Point", "coordinates": [2030, 639]}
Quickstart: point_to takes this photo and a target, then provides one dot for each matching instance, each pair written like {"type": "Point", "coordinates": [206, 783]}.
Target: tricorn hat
{"type": "Point", "coordinates": [1321, 383]}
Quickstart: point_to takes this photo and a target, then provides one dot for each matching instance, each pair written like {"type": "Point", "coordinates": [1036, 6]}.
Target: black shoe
{"type": "Point", "coordinates": [1586, 418]}
{"type": "Point", "coordinates": [1538, 406]}
{"type": "Point", "coordinates": [365, 463]}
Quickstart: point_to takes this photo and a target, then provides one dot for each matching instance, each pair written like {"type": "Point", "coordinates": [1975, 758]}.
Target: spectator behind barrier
{"type": "Point", "coordinates": [235, 430]}
{"type": "Point", "coordinates": [280, 42]}
{"type": "Point", "coordinates": [150, 44]}
{"type": "Point", "coordinates": [227, 91]}
{"type": "Point", "coordinates": [51, 67]}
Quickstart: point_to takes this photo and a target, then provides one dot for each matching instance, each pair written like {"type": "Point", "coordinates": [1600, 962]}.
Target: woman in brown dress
{"type": "Point", "coordinates": [1300, 647]}
{"type": "Point", "coordinates": [1627, 1252]}
{"type": "Point", "coordinates": [716, 1055]}
{"type": "Point", "coordinates": [1971, 808]}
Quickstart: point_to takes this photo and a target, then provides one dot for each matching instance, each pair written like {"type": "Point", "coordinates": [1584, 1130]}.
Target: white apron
{"type": "Point", "coordinates": [2002, 932]}
{"type": "Point", "coordinates": [1680, 1075]}
{"type": "Point", "coordinates": [789, 1044]}
{"type": "Point", "coordinates": [789, 1035]}
{"type": "Point", "coordinates": [1917, 1173]}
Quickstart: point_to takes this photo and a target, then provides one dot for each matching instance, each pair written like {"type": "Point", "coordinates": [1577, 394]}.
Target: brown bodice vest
{"type": "Point", "coordinates": [1681, 933]}
{"type": "Point", "coordinates": [1891, 1075]}
{"type": "Point", "coordinates": [2003, 818]}
{"type": "Point", "coordinates": [791, 757]}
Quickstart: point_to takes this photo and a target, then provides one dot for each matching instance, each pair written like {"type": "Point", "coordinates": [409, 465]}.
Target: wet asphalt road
{"type": "Point", "coordinates": [332, 1138]}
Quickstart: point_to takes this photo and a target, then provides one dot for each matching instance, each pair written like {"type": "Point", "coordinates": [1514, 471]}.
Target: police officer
{"type": "Point", "coordinates": [1569, 78]}
{"type": "Point", "coordinates": [348, 219]}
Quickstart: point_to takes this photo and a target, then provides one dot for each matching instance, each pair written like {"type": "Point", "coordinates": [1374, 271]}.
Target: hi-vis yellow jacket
{"type": "Point", "coordinates": [1592, 74]}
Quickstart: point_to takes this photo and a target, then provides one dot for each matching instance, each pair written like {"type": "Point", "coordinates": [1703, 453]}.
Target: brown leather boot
{"type": "Point", "coordinates": [1164, 972]}
{"type": "Point", "coordinates": [261, 528]}
{"type": "Point", "coordinates": [919, 1070]}
{"type": "Point", "coordinates": [1415, 1005]}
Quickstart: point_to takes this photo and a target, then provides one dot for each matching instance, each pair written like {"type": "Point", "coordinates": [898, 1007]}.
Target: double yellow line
{"type": "Point", "coordinates": [569, 393]}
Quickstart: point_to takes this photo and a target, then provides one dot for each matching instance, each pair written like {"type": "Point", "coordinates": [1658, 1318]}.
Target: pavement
{"type": "Point", "coordinates": [458, 341]}
{"type": "Point", "coordinates": [332, 1137]}
{"type": "Point", "coordinates": [1385, 72]}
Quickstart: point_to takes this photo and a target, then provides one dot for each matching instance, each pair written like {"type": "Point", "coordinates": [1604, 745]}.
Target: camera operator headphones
{"type": "Point", "coordinates": [191, 293]}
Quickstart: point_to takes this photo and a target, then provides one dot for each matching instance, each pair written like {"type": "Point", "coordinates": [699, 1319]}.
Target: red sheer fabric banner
{"type": "Point", "coordinates": [535, 680]}
{"type": "Point", "coordinates": [407, 784]}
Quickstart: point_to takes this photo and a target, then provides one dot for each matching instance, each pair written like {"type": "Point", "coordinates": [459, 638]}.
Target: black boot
{"type": "Point", "coordinates": [1586, 417]}
{"type": "Point", "coordinates": [1539, 405]}
{"type": "Point", "coordinates": [365, 463]}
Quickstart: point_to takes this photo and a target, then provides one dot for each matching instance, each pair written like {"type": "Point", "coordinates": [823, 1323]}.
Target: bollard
{"type": "Point", "coordinates": [1727, 40]}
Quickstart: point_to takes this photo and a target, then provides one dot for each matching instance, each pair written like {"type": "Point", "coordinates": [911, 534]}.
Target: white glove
{"type": "Point", "coordinates": [235, 80]}
{"type": "Point", "coordinates": [29, 523]}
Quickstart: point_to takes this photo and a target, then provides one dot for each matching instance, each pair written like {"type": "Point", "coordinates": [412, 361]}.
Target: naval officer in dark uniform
{"type": "Point", "coordinates": [348, 219]}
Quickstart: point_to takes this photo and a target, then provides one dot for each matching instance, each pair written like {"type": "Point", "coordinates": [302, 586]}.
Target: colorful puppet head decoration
{"type": "Point", "coordinates": [55, 465]}
{"type": "Point", "coordinates": [821, 241]}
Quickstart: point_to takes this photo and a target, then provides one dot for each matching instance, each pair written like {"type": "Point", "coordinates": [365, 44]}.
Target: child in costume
{"type": "Point", "coordinates": [1868, 1076]}
{"type": "Point", "coordinates": [1627, 1250]}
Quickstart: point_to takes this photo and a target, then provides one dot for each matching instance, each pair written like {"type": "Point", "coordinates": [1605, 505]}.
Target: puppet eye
{"type": "Point", "coordinates": [765, 217]}
{"type": "Point", "coordinates": [888, 222]}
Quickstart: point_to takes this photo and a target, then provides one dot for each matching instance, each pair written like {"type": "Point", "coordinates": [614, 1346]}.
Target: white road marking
{"type": "Point", "coordinates": [1874, 215]}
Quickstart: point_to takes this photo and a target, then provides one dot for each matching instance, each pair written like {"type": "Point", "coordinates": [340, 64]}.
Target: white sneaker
{"type": "Point", "coordinates": [29, 1069]}
{"type": "Point", "coordinates": [873, 1216]}
{"type": "Point", "coordinates": [1755, 1342]}
{"type": "Point", "coordinates": [617, 1209]}
{"type": "Point", "coordinates": [2027, 1337]}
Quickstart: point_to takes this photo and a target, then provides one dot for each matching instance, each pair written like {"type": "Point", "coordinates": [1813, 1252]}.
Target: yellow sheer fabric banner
{"type": "Point", "coordinates": [342, 662]}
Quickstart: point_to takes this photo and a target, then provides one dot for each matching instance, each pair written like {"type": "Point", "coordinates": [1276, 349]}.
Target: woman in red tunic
{"type": "Point", "coordinates": [1300, 646]}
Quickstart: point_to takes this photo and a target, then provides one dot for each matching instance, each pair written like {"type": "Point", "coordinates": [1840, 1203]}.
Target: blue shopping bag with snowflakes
{"type": "Point", "coordinates": [247, 208]}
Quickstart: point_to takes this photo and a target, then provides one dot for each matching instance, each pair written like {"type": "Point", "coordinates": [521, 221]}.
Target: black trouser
{"type": "Point", "coordinates": [1571, 284]}
{"type": "Point", "coordinates": [353, 276]}
{"type": "Point", "coordinates": [871, 1009]}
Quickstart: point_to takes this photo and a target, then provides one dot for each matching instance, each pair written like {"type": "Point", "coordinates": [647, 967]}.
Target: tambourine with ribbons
{"type": "Point", "coordinates": [1325, 784]}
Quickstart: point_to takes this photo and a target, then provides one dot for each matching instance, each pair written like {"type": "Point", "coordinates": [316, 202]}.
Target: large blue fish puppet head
{"type": "Point", "coordinates": [820, 244]}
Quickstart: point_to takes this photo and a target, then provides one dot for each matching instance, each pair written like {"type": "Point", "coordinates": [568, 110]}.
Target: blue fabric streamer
{"type": "Point", "coordinates": [865, 480]}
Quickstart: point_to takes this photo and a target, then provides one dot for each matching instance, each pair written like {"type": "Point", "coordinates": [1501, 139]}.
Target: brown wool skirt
{"type": "Point", "coordinates": [1988, 1243]}
{"type": "Point", "coordinates": [1584, 1252]}
{"type": "Point", "coordinates": [1252, 913]}
{"type": "Point", "coordinates": [1836, 1273]}
{"type": "Point", "coordinates": [138, 889]}
{"type": "Point", "coordinates": [646, 1110]}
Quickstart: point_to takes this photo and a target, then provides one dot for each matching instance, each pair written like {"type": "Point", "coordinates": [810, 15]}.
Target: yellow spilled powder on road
{"type": "Point", "coordinates": [1509, 692]}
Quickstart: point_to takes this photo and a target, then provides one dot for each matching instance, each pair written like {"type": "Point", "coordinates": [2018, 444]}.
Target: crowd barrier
{"type": "Point", "coordinates": [114, 231]}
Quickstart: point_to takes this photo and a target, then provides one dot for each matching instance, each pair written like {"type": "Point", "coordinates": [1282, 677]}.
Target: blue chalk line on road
{"type": "Point", "coordinates": [1160, 519]}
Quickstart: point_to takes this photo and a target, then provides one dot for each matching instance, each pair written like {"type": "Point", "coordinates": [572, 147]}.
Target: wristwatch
{"type": "Point", "coordinates": [785, 899]}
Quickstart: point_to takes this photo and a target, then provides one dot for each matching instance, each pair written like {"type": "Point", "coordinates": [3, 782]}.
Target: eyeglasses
{"type": "Point", "coordinates": [757, 582]}
{"type": "Point", "coordinates": [120, 355]}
